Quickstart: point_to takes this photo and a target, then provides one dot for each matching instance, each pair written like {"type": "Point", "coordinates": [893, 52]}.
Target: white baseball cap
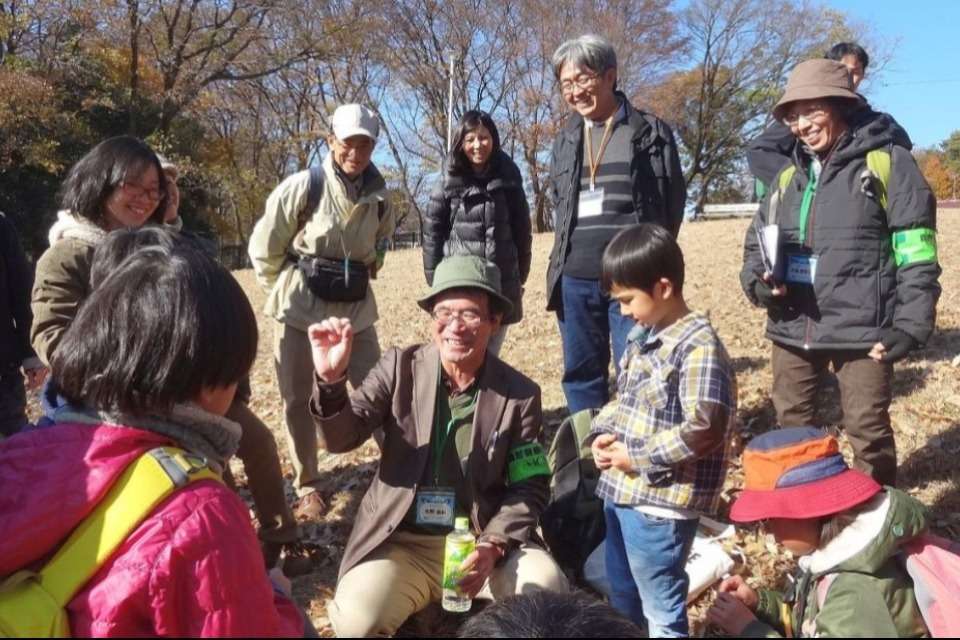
{"type": "Point", "coordinates": [354, 120]}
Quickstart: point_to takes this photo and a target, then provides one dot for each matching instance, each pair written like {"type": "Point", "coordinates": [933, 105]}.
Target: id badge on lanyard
{"type": "Point", "coordinates": [801, 269]}
{"type": "Point", "coordinates": [591, 202]}
{"type": "Point", "coordinates": [436, 506]}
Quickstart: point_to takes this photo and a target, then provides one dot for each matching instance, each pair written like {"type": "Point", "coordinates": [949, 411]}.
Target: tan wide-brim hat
{"type": "Point", "coordinates": [813, 79]}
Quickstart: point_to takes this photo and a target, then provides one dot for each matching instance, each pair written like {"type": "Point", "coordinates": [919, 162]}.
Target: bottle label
{"type": "Point", "coordinates": [455, 554]}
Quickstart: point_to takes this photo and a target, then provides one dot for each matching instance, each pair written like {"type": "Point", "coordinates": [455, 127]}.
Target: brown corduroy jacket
{"type": "Point", "coordinates": [398, 398]}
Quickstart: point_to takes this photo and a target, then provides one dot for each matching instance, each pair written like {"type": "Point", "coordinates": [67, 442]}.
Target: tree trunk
{"type": "Point", "coordinates": [133, 15]}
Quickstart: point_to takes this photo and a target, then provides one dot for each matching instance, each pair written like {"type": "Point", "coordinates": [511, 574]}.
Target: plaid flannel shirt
{"type": "Point", "coordinates": [676, 411]}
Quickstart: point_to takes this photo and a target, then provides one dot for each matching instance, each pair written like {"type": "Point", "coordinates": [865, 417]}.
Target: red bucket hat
{"type": "Point", "coordinates": [798, 472]}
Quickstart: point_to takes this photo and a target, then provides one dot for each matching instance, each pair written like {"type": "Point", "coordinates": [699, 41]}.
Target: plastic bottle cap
{"type": "Point", "coordinates": [462, 524]}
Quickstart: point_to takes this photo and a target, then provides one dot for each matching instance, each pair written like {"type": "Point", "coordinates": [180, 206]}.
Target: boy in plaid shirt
{"type": "Point", "coordinates": [663, 444]}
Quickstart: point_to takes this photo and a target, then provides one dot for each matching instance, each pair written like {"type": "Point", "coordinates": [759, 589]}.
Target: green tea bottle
{"type": "Point", "coordinates": [460, 544]}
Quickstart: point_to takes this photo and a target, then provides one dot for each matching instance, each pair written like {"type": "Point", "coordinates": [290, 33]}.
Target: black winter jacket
{"type": "Point", "coordinates": [771, 150]}
{"type": "Point", "coordinates": [16, 281]}
{"type": "Point", "coordinates": [857, 289]}
{"type": "Point", "coordinates": [659, 191]}
{"type": "Point", "coordinates": [485, 216]}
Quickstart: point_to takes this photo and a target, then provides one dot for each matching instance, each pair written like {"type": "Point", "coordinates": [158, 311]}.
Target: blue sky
{"type": "Point", "coordinates": [920, 85]}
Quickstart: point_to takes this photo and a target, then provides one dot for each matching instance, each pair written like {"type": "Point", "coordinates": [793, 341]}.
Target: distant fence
{"type": "Point", "coordinates": [948, 204]}
{"type": "Point", "coordinates": [234, 256]}
{"type": "Point", "coordinates": [740, 210]}
{"type": "Point", "coordinates": [405, 240]}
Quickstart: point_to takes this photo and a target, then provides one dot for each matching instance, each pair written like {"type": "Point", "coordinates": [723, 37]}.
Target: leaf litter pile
{"type": "Point", "coordinates": [925, 410]}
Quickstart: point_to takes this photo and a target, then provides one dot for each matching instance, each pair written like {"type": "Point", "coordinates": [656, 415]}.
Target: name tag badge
{"type": "Point", "coordinates": [801, 269]}
{"type": "Point", "coordinates": [591, 203]}
{"type": "Point", "coordinates": [436, 506]}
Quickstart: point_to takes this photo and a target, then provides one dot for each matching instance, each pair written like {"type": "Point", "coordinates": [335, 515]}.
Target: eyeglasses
{"type": "Point", "coordinates": [137, 191]}
{"type": "Point", "coordinates": [582, 81]}
{"type": "Point", "coordinates": [814, 112]}
{"type": "Point", "coordinates": [468, 317]}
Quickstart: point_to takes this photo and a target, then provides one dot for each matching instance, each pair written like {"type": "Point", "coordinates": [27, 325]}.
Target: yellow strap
{"type": "Point", "coordinates": [786, 618]}
{"type": "Point", "coordinates": [776, 197]}
{"type": "Point", "coordinates": [878, 162]}
{"type": "Point", "coordinates": [141, 487]}
{"type": "Point", "coordinates": [786, 176]}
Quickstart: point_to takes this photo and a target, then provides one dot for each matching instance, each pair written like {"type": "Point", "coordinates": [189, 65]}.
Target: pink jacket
{"type": "Point", "coordinates": [192, 568]}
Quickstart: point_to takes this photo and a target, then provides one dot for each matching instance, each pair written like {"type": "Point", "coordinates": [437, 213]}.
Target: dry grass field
{"type": "Point", "coordinates": [926, 407]}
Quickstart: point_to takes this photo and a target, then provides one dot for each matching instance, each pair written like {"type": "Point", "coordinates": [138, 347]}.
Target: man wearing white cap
{"type": "Point", "coordinates": [314, 251]}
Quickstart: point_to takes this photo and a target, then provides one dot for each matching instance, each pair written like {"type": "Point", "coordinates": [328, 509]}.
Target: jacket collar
{"type": "Point", "coordinates": [373, 182]}
{"type": "Point", "coordinates": [853, 539]}
{"type": "Point", "coordinates": [72, 226]}
{"type": "Point", "coordinates": [573, 129]}
{"type": "Point", "coordinates": [491, 396]}
{"type": "Point", "coordinates": [668, 339]}
{"type": "Point", "coordinates": [878, 529]}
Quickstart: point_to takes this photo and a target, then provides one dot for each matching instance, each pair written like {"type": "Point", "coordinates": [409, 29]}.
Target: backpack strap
{"type": "Point", "coordinates": [314, 194]}
{"type": "Point", "coordinates": [823, 587]}
{"type": "Point", "coordinates": [878, 166]}
{"type": "Point", "coordinates": [783, 181]}
{"type": "Point", "coordinates": [139, 489]}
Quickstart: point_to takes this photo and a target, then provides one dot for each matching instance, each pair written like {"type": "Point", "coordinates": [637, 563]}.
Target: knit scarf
{"type": "Point", "coordinates": [197, 431]}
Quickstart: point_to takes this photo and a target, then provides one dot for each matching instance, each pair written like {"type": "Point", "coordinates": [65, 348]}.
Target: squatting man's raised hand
{"type": "Point", "coordinates": [330, 344]}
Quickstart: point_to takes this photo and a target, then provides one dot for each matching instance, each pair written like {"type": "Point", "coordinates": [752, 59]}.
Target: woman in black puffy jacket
{"type": "Point", "coordinates": [479, 208]}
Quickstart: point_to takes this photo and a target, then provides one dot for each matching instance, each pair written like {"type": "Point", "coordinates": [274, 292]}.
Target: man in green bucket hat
{"type": "Point", "coordinates": [460, 435]}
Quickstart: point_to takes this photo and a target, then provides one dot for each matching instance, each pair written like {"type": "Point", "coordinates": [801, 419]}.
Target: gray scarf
{"type": "Point", "coordinates": [190, 427]}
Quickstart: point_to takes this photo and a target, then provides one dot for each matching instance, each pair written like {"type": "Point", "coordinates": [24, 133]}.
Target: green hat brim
{"type": "Point", "coordinates": [426, 302]}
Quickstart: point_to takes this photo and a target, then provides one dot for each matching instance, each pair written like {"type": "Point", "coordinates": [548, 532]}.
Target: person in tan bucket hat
{"type": "Point", "coordinates": [852, 283]}
{"type": "Point", "coordinates": [770, 151]}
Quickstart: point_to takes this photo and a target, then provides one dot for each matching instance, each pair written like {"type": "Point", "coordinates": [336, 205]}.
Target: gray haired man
{"type": "Point", "coordinates": [612, 167]}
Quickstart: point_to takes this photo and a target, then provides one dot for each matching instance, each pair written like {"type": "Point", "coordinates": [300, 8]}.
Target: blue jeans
{"type": "Point", "coordinates": [589, 322]}
{"type": "Point", "coordinates": [645, 558]}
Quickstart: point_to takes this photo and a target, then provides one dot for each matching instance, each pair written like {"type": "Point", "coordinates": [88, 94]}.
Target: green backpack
{"type": "Point", "coordinates": [572, 522]}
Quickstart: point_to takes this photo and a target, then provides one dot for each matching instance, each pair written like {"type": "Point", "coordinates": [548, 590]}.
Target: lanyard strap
{"type": "Point", "coordinates": [807, 202]}
{"type": "Point", "coordinates": [595, 163]}
{"type": "Point", "coordinates": [438, 442]}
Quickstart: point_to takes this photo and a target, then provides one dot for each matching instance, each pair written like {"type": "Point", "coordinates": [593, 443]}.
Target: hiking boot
{"type": "Point", "coordinates": [311, 507]}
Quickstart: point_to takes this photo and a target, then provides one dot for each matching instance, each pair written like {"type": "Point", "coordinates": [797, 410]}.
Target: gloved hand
{"type": "Point", "coordinates": [896, 345]}
{"type": "Point", "coordinates": [768, 295]}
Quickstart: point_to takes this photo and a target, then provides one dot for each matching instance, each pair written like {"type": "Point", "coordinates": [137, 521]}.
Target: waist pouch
{"type": "Point", "coordinates": [329, 280]}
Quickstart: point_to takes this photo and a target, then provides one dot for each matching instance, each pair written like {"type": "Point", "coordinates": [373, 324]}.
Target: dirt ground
{"type": "Point", "coordinates": [925, 411]}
